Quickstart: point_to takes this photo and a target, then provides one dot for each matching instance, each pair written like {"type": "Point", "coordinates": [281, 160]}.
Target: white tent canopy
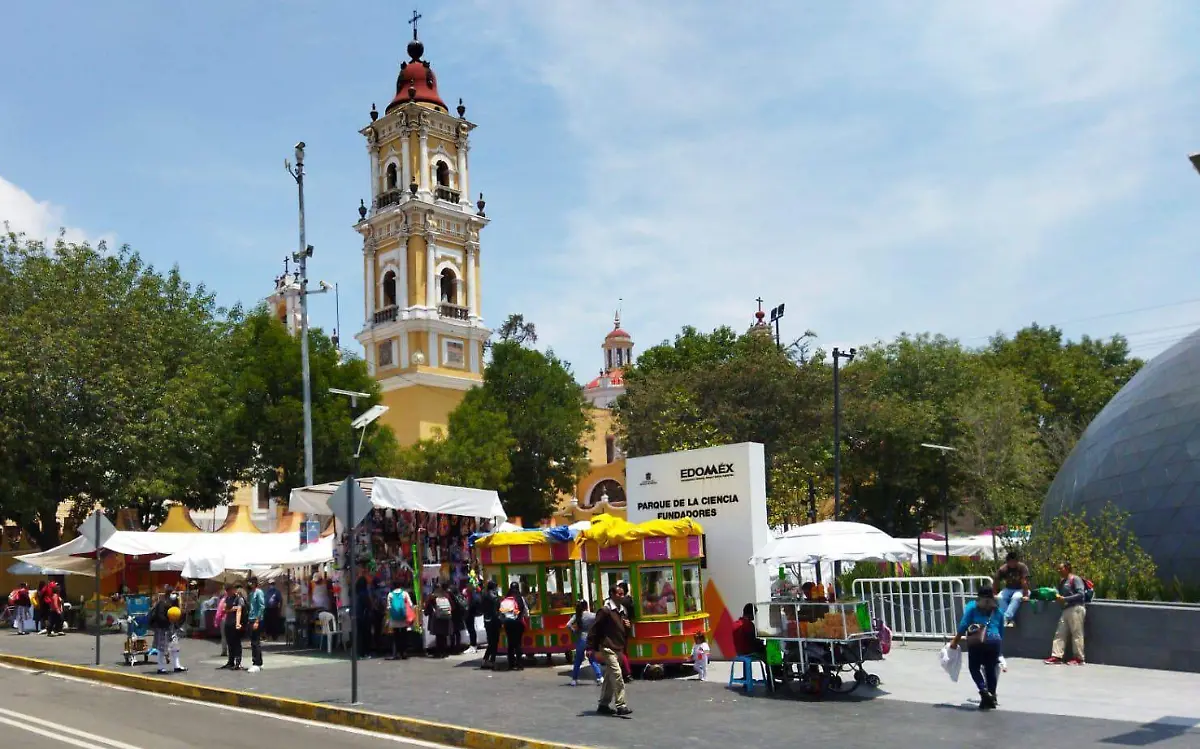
{"type": "Point", "coordinates": [25, 569]}
{"type": "Point", "coordinates": [398, 494]}
{"type": "Point", "coordinates": [832, 540]}
{"type": "Point", "coordinates": [212, 555]}
{"type": "Point", "coordinates": [203, 550]}
{"type": "Point", "coordinates": [962, 546]}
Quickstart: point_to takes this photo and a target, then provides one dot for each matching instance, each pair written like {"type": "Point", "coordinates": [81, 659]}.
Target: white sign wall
{"type": "Point", "coordinates": [724, 489]}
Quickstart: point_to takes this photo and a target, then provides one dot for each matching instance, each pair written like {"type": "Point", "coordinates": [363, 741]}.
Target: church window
{"type": "Point", "coordinates": [389, 289]}
{"type": "Point", "coordinates": [448, 291]}
{"type": "Point", "coordinates": [392, 179]}
{"type": "Point", "coordinates": [385, 354]}
{"type": "Point", "coordinates": [454, 353]}
{"type": "Point", "coordinates": [610, 448]}
{"type": "Point", "coordinates": [443, 174]}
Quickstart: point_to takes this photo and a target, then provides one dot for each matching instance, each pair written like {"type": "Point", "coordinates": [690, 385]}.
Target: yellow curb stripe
{"type": "Point", "coordinates": [394, 725]}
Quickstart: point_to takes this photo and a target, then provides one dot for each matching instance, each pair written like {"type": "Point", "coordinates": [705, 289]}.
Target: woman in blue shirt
{"type": "Point", "coordinates": [981, 627]}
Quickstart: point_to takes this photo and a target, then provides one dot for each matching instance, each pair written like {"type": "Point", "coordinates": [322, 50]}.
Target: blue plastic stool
{"type": "Point", "coordinates": [747, 679]}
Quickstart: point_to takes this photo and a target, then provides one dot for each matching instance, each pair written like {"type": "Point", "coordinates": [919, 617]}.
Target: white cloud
{"type": "Point", "coordinates": [916, 167]}
{"type": "Point", "coordinates": [39, 219]}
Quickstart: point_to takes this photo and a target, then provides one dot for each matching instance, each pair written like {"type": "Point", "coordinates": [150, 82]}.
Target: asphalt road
{"type": "Point", "coordinates": [40, 711]}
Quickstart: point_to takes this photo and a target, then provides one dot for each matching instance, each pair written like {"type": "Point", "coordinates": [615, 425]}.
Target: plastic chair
{"type": "Point", "coordinates": [327, 628]}
{"type": "Point", "coordinates": [747, 680]}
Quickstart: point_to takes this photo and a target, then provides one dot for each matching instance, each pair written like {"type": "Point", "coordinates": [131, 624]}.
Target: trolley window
{"type": "Point", "coordinates": [609, 577]}
{"type": "Point", "coordinates": [658, 592]}
{"type": "Point", "coordinates": [526, 577]}
{"type": "Point", "coordinates": [560, 590]}
{"type": "Point", "coordinates": [690, 591]}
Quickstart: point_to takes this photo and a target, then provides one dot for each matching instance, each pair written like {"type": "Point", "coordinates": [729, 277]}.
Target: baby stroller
{"type": "Point", "coordinates": [136, 626]}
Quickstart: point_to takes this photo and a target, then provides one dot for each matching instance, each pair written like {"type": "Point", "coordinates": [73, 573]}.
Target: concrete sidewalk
{"type": "Point", "coordinates": [1097, 706]}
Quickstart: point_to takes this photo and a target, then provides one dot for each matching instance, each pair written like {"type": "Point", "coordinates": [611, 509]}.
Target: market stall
{"type": "Point", "coordinates": [545, 563]}
{"type": "Point", "coordinates": [416, 533]}
{"type": "Point", "coordinates": [813, 641]}
{"type": "Point", "coordinates": [661, 562]}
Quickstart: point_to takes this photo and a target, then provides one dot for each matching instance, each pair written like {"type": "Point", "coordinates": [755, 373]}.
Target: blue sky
{"type": "Point", "coordinates": [963, 168]}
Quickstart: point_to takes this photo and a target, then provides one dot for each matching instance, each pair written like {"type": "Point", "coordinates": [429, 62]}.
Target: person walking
{"type": "Point", "coordinates": [43, 607]}
{"type": "Point", "coordinates": [980, 627]}
{"type": "Point", "coordinates": [626, 602]}
{"type": "Point", "coordinates": [54, 607]}
{"type": "Point", "coordinates": [160, 627]}
{"type": "Point", "coordinates": [580, 625]}
{"type": "Point", "coordinates": [607, 641]}
{"type": "Point", "coordinates": [258, 609]}
{"type": "Point", "coordinates": [514, 613]}
{"type": "Point", "coordinates": [219, 620]}
{"type": "Point", "coordinates": [440, 610]}
{"type": "Point", "coordinates": [400, 618]}
{"type": "Point", "coordinates": [23, 608]}
{"type": "Point", "coordinates": [489, 609]}
{"type": "Point", "coordinates": [1072, 596]}
{"type": "Point", "coordinates": [473, 611]}
{"type": "Point", "coordinates": [1013, 575]}
{"type": "Point", "coordinates": [273, 619]}
{"type": "Point", "coordinates": [235, 611]}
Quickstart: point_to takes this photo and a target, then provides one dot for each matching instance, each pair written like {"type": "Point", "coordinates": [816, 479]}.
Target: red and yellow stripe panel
{"type": "Point", "coordinates": [649, 549]}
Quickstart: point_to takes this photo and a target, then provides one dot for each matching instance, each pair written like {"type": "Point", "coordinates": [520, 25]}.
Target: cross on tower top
{"type": "Point", "coordinates": [413, 22]}
{"type": "Point", "coordinates": [760, 301]}
{"type": "Point", "coordinates": [286, 268]}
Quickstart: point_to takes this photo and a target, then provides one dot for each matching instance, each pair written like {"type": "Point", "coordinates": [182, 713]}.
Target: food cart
{"type": "Point", "coordinates": [817, 644]}
{"type": "Point", "coordinates": [660, 561]}
{"type": "Point", "coordinates": [545, 563]}
{"type": "Point", "coordinates": [821, 646]}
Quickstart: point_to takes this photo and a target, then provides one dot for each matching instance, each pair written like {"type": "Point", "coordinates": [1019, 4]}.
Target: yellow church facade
{"type": "Point", "coordinates": [423, 333]}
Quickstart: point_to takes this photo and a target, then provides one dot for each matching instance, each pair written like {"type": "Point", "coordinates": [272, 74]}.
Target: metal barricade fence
{"type": "Point", "coordinates": [919, 607]}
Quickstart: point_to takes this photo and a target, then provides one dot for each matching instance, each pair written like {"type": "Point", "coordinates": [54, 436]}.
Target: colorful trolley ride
{"type": "Point", "coordinates": [545, 563]}
{"type": "Point", "coordinates": [660, 561]}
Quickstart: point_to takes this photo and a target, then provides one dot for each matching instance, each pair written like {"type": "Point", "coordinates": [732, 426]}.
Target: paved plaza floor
{"type": "Point", "coordinates": [1089, 706]}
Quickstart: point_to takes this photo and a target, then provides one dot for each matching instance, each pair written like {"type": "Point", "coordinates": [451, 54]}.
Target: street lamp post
{"type": "Point", "coordinates": [776, 316]}
{"type": "Point", "coordinates": [945, 493]}
{"type": "Point", "coordinates": [301, 257]}
{"type": "Point", "coordinates": [838, 355]}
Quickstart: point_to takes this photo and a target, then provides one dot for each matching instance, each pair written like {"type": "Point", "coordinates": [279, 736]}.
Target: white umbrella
{"type": "Point", "coordinates": [833, 541]}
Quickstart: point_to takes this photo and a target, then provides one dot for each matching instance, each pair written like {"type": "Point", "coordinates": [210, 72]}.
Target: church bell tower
{"type": "Point", "coordinates": [423, 332]}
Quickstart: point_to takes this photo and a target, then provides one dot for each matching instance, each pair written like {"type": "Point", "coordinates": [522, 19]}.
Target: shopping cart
{"type": "Point", "coordinates": [136, 625]}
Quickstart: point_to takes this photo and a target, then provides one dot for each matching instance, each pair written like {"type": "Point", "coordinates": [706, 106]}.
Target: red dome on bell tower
{"type": "Point", "coordinates": [416, 81]}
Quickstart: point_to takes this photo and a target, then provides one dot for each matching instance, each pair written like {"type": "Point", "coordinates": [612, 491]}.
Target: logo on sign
{"type": "Point", "coordinates": [649, 480]}
{"type": "Point", "coordinates": [699, 473]}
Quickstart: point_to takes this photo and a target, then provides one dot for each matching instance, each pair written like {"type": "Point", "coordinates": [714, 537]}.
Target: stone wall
{"type": "Point", "coordinates": [1139, 635]}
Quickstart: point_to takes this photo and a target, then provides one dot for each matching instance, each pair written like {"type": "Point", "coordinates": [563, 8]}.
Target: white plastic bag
{"type": "Point", "coordinates": [951, 659]}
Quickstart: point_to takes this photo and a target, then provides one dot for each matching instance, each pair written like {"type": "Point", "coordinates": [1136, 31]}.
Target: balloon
{"type": "Point", "coordinates": [174, 614]}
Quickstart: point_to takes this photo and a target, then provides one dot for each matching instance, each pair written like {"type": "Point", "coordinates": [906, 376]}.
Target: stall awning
{"type": "Point", "coordinates": [214, 554]}
{"type": "Point", "coordinates": [398, 494]}
{"type": "Point", "coordinates": [238, 521]}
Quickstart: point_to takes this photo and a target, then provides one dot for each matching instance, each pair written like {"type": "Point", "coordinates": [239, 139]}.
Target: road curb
{"type": "Point", "coordinates": [394, 725]}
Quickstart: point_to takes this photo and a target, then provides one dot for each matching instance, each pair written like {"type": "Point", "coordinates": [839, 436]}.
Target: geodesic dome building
{"type": "Point", "coordinates": [1142, 454]}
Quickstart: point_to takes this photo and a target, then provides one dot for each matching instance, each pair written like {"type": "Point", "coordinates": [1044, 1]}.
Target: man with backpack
{"type": "Point", "coordinates": [400, 617]}
{"type": "Point", "coordinates": [489, 609]}
{"type": "Point", "coordinates": [1074, 593]}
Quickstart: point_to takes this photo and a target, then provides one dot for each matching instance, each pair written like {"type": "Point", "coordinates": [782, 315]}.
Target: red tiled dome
{"type": "Point", "coordinates": [416, 81]}
{"type": "Point", "coordinates": [616, 333]}
{"type": "Point", "coordinates": [615, 377]}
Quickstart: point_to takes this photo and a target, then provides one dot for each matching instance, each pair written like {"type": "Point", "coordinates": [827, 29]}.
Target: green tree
{"type": "Point", "coordinates": [1000, 457]}
{"type": "Point", "coordinates": [547, 417]}
{"type": "Point", "coordinates": [111, 385]}
{"type": "Point", "coordinates": [476, 451]}
{"type": "Point", "coordinates": [517, 329]}
{"type": "Point", "coordinates": [267, 384]}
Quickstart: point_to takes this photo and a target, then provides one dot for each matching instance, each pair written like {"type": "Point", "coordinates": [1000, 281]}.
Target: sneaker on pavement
{"type": "Point", "coordinates": [255, 669]}
{"type": "Point", "coordinates": [624, 712]}
{"type": "Point", "coordinates": [605, 710]}
{"type": "Point", "coordinates": [1052, 661]}
{"type": "Point", "coordinates": [574, 682]}
{"type": "Point", "coordinates": [1075, 662]}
